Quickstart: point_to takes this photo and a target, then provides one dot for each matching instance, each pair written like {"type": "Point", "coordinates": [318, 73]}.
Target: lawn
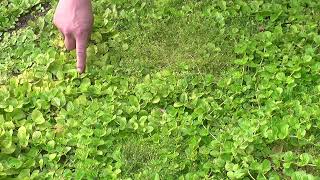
{"type": "Point", "coordinates": [174, 89]}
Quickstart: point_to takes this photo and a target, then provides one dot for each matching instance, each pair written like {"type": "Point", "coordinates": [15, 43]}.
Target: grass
{"type": "Point", "coordinates": [142, 156]}
{"type": "Point", "coordinates": [137, 154]}
{"type": "Point", "coordinates": [191, 40]}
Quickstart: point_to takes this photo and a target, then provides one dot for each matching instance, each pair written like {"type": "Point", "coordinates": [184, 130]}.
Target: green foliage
{"type": "Point", "coordinates": [257, 117]}
{"type": "Point", "coordinates": [12, 10]}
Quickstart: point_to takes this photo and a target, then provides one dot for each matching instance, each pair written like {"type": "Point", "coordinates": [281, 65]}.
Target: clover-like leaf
{"type": "Point", "coordinates": [265, 166]}
{"type": "Point", "coordinates": [37, 117]}
{"type": "Point", "coordinates": [283, 131]}
{"type": "Point", "coordinates": [317, 39]}
{"type": "Point", "coordinates": [22, 136]}
{"type": "Point", "coordinates": [305, 158]}
{"type": "Point", "coordinates": [85, 84]}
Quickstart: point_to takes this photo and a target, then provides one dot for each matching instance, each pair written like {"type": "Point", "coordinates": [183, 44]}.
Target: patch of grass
{"type": "Point", "coordinates": [178, 42]}
{"type": "Point", "coordinates": [138, 154]}
{"type": "Point", "coordinates": [144, 156]}
{"type": "Point", "coordinates": [192, 40]}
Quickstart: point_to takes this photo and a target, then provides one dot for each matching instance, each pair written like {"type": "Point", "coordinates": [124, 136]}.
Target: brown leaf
{"type": "Point", "coordinates": [278, 148]}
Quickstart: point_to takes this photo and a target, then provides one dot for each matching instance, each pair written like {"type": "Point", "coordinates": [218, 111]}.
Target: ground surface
{"type": "Point", "coordinates": [174, 90]}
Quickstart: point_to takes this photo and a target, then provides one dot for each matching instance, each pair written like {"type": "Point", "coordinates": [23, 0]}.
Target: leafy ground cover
{"type": "Point", "coordinates": [11, 11]}
{"type": "Point", "coordinates": [174, 90]}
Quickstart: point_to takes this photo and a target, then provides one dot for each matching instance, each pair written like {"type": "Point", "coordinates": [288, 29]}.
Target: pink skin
{"type": "Point", "coordinates": [74, 19]}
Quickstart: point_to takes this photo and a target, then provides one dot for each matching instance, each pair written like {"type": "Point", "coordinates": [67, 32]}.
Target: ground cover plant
{"type": "Point", "coordinates": [11, 11]}
{"type": "Point", "coordinates": [175, 89]}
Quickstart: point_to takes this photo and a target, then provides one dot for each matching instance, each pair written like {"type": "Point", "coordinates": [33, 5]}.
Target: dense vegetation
{"type": "Point", "coordinates": [12, 10]}
{"type": "Point", "coordinates": [175, 89]}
